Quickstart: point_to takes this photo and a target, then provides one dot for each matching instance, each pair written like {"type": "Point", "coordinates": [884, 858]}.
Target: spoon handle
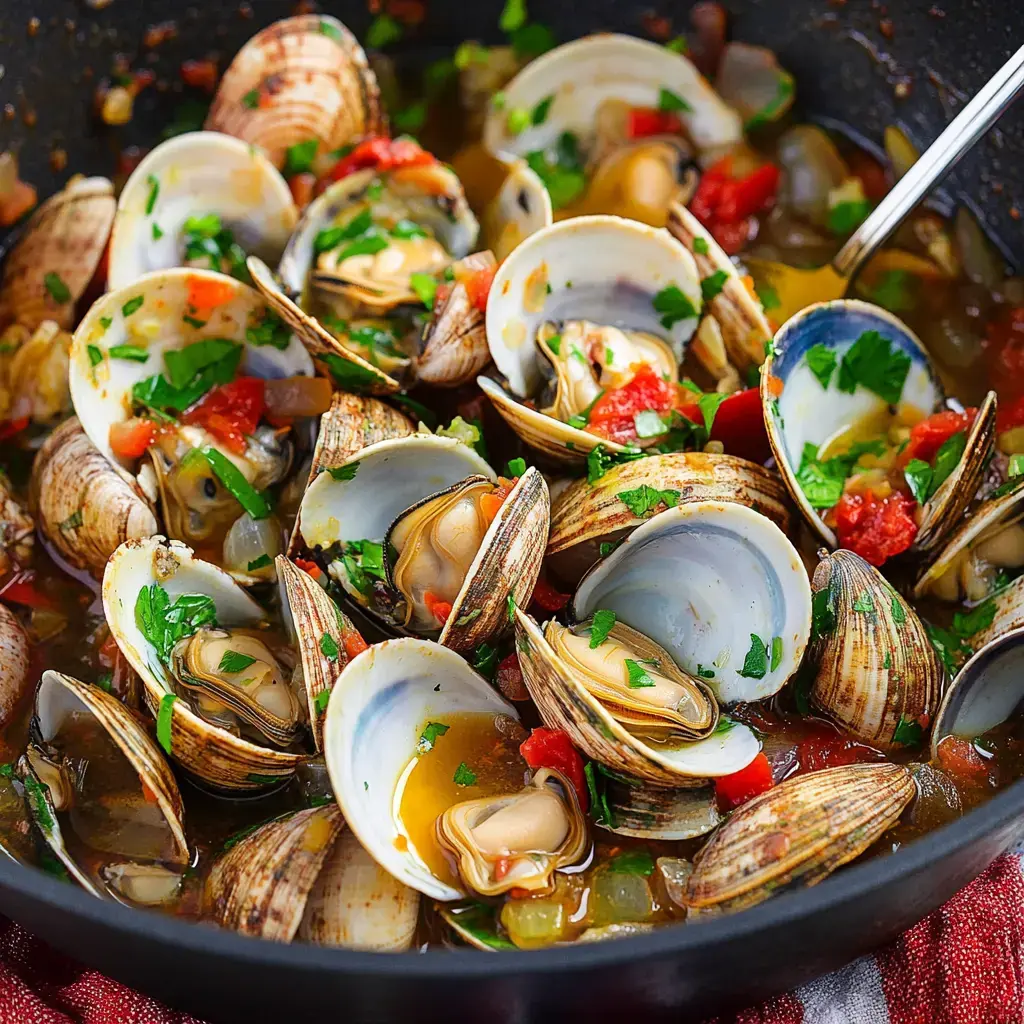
{"type": "Point", "coordinates": [960, 134]}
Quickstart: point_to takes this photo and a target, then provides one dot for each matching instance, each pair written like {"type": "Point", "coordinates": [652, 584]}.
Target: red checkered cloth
{"type": "Point", "coordinates": [962, 965]}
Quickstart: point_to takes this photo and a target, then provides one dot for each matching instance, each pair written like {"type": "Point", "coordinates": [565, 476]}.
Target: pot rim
{"type": "Point", "coordinates": [786, 910]}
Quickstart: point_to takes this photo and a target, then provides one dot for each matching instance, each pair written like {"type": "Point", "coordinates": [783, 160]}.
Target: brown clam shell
{"type": "Point", "coordinates": [14, 664]}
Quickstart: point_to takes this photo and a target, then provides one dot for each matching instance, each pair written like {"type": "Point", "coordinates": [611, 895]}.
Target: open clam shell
{"type": "Point", "coordinates": [193, 176]}
{"type": "Point", "coordinates": [797, 834]}
{"type": "Point", "coordinates": [580, 76]}
{"type": "Point", "coordinates": [808, 413]}
{"type": "Point", "coordinates": [1009, 613]}
{"type": "Point", "coordinates": [588, 518]}
{"type": "Point", "coordinates": [85, 505]}
{"type": "Point", "coordinates": [602, 269]}
{"type": "Point", "coordinates": [740, 322]}
{"type": "Point", "coordinates": [986, 691]}
{"type": "Point", "coordinates": [207, 751]}
{"type": "Point", "coordinates": [301, 78]}
{"type": "Point", "coordinates": [565, 703]}
{"type": "Point", "coordinates": [65, 237]}
{"type": "Point", "coordinates": [521, 208]}
{"type": "Point", "coordinates": [719, 586]}
{"type": "Point", "coordinates": [877, 673]}
{"type": "Point", "coordinates": [378, 708]}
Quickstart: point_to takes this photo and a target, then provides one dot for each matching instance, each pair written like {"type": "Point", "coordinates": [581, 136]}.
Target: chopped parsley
{"type": "Point", "coordinates": [513, 16]}
{"type": "Point", "coordinates": [234, 481]}
{"type": "Point", "coordinates": [908, 732]}
{"type": "Point", "coordinates": [632, 862]}
{"type": "Point", "coordinates": [560, 168]}
{"type": "Point", "coordinates": [511, 607]}
{"type": "Point", "coordinates": [464, 776]}
{"type": "Point", "coordinates": [383, 31]}
{"type": "Point", "coordinates": [877, 364]}
{"type": "Point", "coordinates": [893, 291]}
{"type": "Point", "coordinates": [845, 217]}
{"type": "Point", "coordinates": [643, 499]}
{"type": "Point", "coordinates": [348, 375]}
{"type": "Point", "coordinates": [639, 677]}
{"type": "Point", "coordinates": [600, 460]}
{"type": "Point", "coordinates": [899, 616]}
{"type": "Point", "coordinates": [157, 231]}
{"type": "Point", "coordinates": [105, 322]}
{"type": "Point", "coordinates": [599, 809]}
{"type": "Point", "coordinates": [672, 102]}
{"type": "Point", "coordinates": [132, 353]}
{"type": "Point", "coordinates": [364, 562]}
{"type": "Point", "coordinates": [709, 405]}
{"type": "Point", "coordinates": [95, 355]}
{"type": "Point", "coordinates": [425, 287]}
{"type": "Point", "coordinates": [755, 665]}
{"type": "Point", "coordinates": [967, 624]}
{"type": "Point", "coordinates": [710, 286]}
{"type": "Point", "coordinates": [191, 372]}
{"type": "Point", "coordinates": [776, 652]}
{"type": "Point", "coordinates": [700, 246]}
{"type": "Point", "coordinates": [259, 563]}
{"type": "Point", "coordinates": [164, 622]}
{"type": "Point", "coordinates": [769, 297]}
{"type": "Point", "coordinates": [235, 661]}
{"type": "Point", "coordinates": [407, 229]}
{"type": "Point", "coordinates": [485, 660]}
{"type": "Point", "coordinates": [58, 290]}
{"type": "Point", "coordinates": [705, 673]}
{"type": "Point", "coordinates": [154, 193]}
{"type": "Point", "coordinates": [206, 238]}
{"type": "Point", "coordinates": [299, 158]}
{"type": "Point", "coordinates": [269, 329]}
{"type": "Point", "coordinates": [329, 647]}
{"type": "Point", "coordinates": [600, 626]}
{"type": "Point", "coordinates": [674, 306]}
{"type": "Point", "coordinates": [133, 305]}
{"type": "Point", "coordinates": [345, 472]}
{"type": "Point", "coordinates": [918, 475]}
{"type": "Point", "coordinates": [429, 736]}
{"type": "Point", "coordinates": [821, 361]}
{"type": "Point", "coordinates": [517, 467]}
{"type": "Point", "coordinates": [925, 480]}
{"type": "Point", "coordinates": [822, 480]}
{"type": "Point", "coordinates": [539, 114]}
{"type": "Point", "coordinates": [320, 702]}
{"type": "Point", "coordinates": [73, 521]}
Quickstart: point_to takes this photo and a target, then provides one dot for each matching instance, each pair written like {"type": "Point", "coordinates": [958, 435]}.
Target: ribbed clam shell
{"type": "Point", "coordinates": [454, 344]}
{"type": "Point", "coordinates": [17, 529]}
{"type": "Point", "coordinates": [740, 317]}
{"type": "Point", "coordinates": [506, 566]}
{"type": "Point", "coordinates": [15, 649]}
{"type": "Point", "coordinates": [314, 616]}
{"type": "Point", "coordinates": [66, 236]}
{"type": "Point", "coordinates": [219, 758]}
{"type": "Point", "coordinates": [943, 513]}
{"type": "Point", "coordinates": [317, 339]}
{"type": "Point", "coordinates": [1009, 614]}
{"type": "Point", "coordinates": [797, 834]}
{"type": "Point", "coordinates": [585, 514]}
{"type": "Point", "coordinates": [261, 885]}
{"type": "Point", "coordinates": [564, 703]}
{"type": "Point", "coordinates": [876, 668]}
{"type": "Point", "coordinates": [60, 694]}
{"type": "Point", "coordinates": [301, 78]}
{"type": "Point", "coordinates": [652, 812]}
{"type": "Point", "coordinates": [355, 903]}
{"type": "Point", "coordinates": [85, 505]}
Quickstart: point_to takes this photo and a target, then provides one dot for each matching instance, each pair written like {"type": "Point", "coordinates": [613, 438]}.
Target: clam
{"type": "Point", "coordinates": [584, 304]}
{"type": "Point", "coordinates": [986, 691]}
{"type": "Point", "coordinates": [521, 207]}
{"type": "Point", "coordinates": [201, 199]}
{"type": "Point", "coordinates": [719, 587]}
{"type": "Point", "coordinates": [34, 373]}
{"type": "Point", "coordinates": [353, 272]}
{"type": "Point", "coordinates": [588, 517]}
{"type": "Point", "coordinates": [847, 381]}
{"type": "Point", "coordinates": [231, 696]}
{"type": "Point", "coordinates": [299, 79]}
{"type": "Point", "coordinates": [85, 505]}
{"type": "Point", "coordinates": [305, 875]}
{"type": "Point", "coordinates": [571, 108]}
{"type": "Point", "coordinates": [734, 334]}
{"type": "Point", "coordinates": [15, 650]}
{"type": "Point", "coordinates": [96, 781]}
{"type": "Point", "coordinates": [622, 738]}
{"type": "Point", "coordinates": [876, 672]}
{"type": "Point", "coordinates": [645, 811]}
{"type": "Point", "coordinates": [797, 834]}
{"type": "Point", "coordinates": [161, 344]}
{"type": "Point", "coordinates": [51, 265]}
{"type": "Point", "coordinates": [406, 723]}
{"type": "Point", "coordinates": [17, 530]}
{"type": "Point", "coordinates": [411, 525]}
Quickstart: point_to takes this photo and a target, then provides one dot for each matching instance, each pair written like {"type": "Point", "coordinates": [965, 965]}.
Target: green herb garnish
{"type": "Point", "coordinates": [58, 290]}
{"type": "Point", "coordinates": [755, 665]}
{"type": "Point", "coordinates": [674, 306]}
{"type": "Point", "coordinates": [877, 364]}
{"type": "Point", "coordinates": [600, 626]}
{"type": "Point", "coordinates": [429, 736]}
{"type": "Point", "coordinates": [235, 661]}
{"type": "Point", "coordinates": [464, 776]}
{"type": "Point", "coordinates": [641, 500]}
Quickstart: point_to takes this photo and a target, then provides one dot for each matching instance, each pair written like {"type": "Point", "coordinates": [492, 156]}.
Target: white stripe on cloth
{"type": "Point", "coordinates": [852, 995]}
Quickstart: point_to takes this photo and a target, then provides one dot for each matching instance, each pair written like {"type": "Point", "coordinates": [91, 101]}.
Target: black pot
{"type": "Point", "coordinates": [847, 69]}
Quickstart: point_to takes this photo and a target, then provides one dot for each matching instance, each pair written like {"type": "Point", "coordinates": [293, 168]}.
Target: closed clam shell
{"type": "Point", "coordinates": [454, 343]}
{"type": "Point", "coordinates": [797, 834]}
{"type": "Point", "coordinates": [214, 755]}
{"type": "Point", "coordinates": [83, 503]}
{"type": "Point", "coordinates": [738, 312]}
{"type": "Point", "coordinates": [301, 78]}
{"type": "Point", "coordinates": [261, 885]}
{"type": "Point", "coordinates": [14, 664]}
{"type": "Point", "coordinates": [565, 703]}
{"type": "Point", "coordinates": [65, 237]}
{"type": "Point", "coordinates": [877, 673]}
{"type": "Point", "coordinates": [586, 514]}
{"type": "Point", "coordinates": [654, 812]}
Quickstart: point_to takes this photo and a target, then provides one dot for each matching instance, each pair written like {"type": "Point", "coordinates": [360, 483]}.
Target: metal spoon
{"type": "Point", "coordinates": [798, 288]}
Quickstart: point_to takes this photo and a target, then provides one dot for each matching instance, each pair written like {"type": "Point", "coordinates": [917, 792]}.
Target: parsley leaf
{"type": "Point", "coordinates": [383, 31]}
{"type": "Point", "coordinates": [908, 732]}
{"type": "Point", "coordinates": [672, 102]}
{"type": "Point", "coordinates": [639, 678]}
{"type": "Point", "coordinates": [947, 458]}
{"type": "Point", "coordinates": [918, 475]}
{"type": "Point", "coordinates": [464, 776]}
{"type": "Point", "coordinates": [632, 862]}
{"type": "Point", "coordinates": [431, 731]}
{"type": "Point", "coordinates": [235, 661]}
{"type": "Point", "coordinates": [710, 286]}
{"type": "Point", "coordinates": [755, 665]}
{"type": "Point", "coordinates": [874, 362]}
{"type": "Point", "coordinates": [600, 626]}
{"type": "Point", "coordinates": [821, 361]}
{"type": "Point", "coordinates": [298, 158]}
{"type": "Point", "coordinates": [966, 624]}
{"type": "Point", "coordinates": [485, 660]}
{"type": "Point", "coordinates": [674, 306]}
{"type": "Point", "coordinates": [777, 652]}
{"type": "Point", "coordinates": [599, 809]}
{"type": "Point", "coordinates": [425, 287]}
{"type": "Point", "coordinates": [641, 500]}
{"type": "Point", "coordinates": [709, 405]}
{"type": "Point", "coordinates": [58, 290]}
{"type": "Point", "coordinates": [163, 622]}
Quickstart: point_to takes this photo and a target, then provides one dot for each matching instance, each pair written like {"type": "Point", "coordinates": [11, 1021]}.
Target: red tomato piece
{"type": "Point", "coordinates": [876, 528]}
{"type": "Point", "coordinates": [9, 428]}
{"type": "Point", "coordinates": [310, 568]}
{"type": "Point", "coordinates": [509, 679]}
{"type": "Point", "coordinates": [552, 748]}
{"type": "Point", "coordinates": [739, 425]}
{"type": "Point", "coordinates": [928, 436]}
{"type": "Point", "coordinates": [1004, 353]}
{"type": "Point", "coordinates": [831, 750]}
{"type": "Point", "coordinates": [612, 414]}
{"type": "Point", "coordinates": [743, 197]}
{"type": "Point", "coordinates": [21, 589]}
{"type": "Point", "coordinates": [130, 439]}
{"type": "Point", "coordinates": [478, 287]}
{"type": "Point", "coordinates": [231, 411]}
{"type": "Point", "coordinates": [645, 121]}
{"type": "Point", "coordinates": [726, 205]}
{"type": "Point", "coordinates": [738, 788]}
{"type": "Point", "coordinates": [353, 643]}
{"type": "Point", "coordinates": [438, 608]}
{"type": "Point", "coordinates": [303, 187]}
{"type": "Point", "coordinates": [1010, 416]}
{"type": "Point", "coordinates": [200, 74]}
{"type": "Point", "coordinates": [548, 598]}
{"type": "Point", "coordinates": [960, 758]}
{"type": "Point", "coordinates": [382, 153]}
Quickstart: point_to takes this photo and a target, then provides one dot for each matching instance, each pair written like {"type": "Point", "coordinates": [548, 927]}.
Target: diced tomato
{"type": "Point", "coordinates": [725, 205]}
{"type": "Point", "coordinates": [204, 293]}
{"type": "Point", "coordinates": [612, 414]}
{"type": "Point", "coordinates": [438, 608]}
{"type": "Point", "coordinates": [509, 679]}
{"type": "Point", "coordinates": [478, 287]}
{"type": "Point", "coordinates": [302, 186]}
{"type": "Point", "coordinates": [490, 506]}
{"type": "Point", "coordinates": [738, 424]}
{"type": "Point", "coordinates": [383, 154]}
{"type": "Point", "coordinates": [829, 749]}
{"type": "Point", "coordinates": [148, 794]}
{"type": "Point", "coordinates": [231, 411]}
{"type": "Point", "coordinates": [21, 589]}
{"type": "Point", "coordinates": [1004, 354]}
{"type": "Point", "coordinates": [10, 428]}
{"type": "Point", "coordinates": [734, 237]}
{"type": "Point", "coordinates": [131, 438]}
{"type": "Point", "coordinates": [959, 757]}
{"type": "Point", "coordinates": [928, 436]}
{"type": "Point", "coordinates": [548, 598]}
{"type": "Point", "coordinates": [502, 866]}
{"type": "Point", "coordinates": [749, 195]}
{"type": "Point", "coordinates": [310, 568]}
{"type": "Point", "coordinates": [353, 643]}
{"type": "Point", "coordinates": [738, 788]}
{"type": "Point", "coordinates": [876, 528]}
{"type": "Point", "coordinates": [200, 74]}
{"type": "Point", "coordinates": [1010, 417]}
{"type": "Point", "coordinates": [552, 748]}
{"type": "Point", "coordinates": [645, 121]}
{"type": "Point", "coordinates": [16, 203]}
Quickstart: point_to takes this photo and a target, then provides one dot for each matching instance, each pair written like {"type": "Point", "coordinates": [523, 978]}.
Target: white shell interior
{"type": "Point", "coordinates": [193, 175]}
{"type": "Point", "coordinates": [521, 208]}
{"type": "Point", "coordinates": [392, 476]}
{"type": "Point", "coordinates": [102, 394]}
{"type": "Point", "coordinates": [581, 75]}
{"type": "Point", "coordinates": [378, 707]}
{"type": "Point", "coordinates": [600, 268]}
{"type": "Point", "coordinates": [699, 579]}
